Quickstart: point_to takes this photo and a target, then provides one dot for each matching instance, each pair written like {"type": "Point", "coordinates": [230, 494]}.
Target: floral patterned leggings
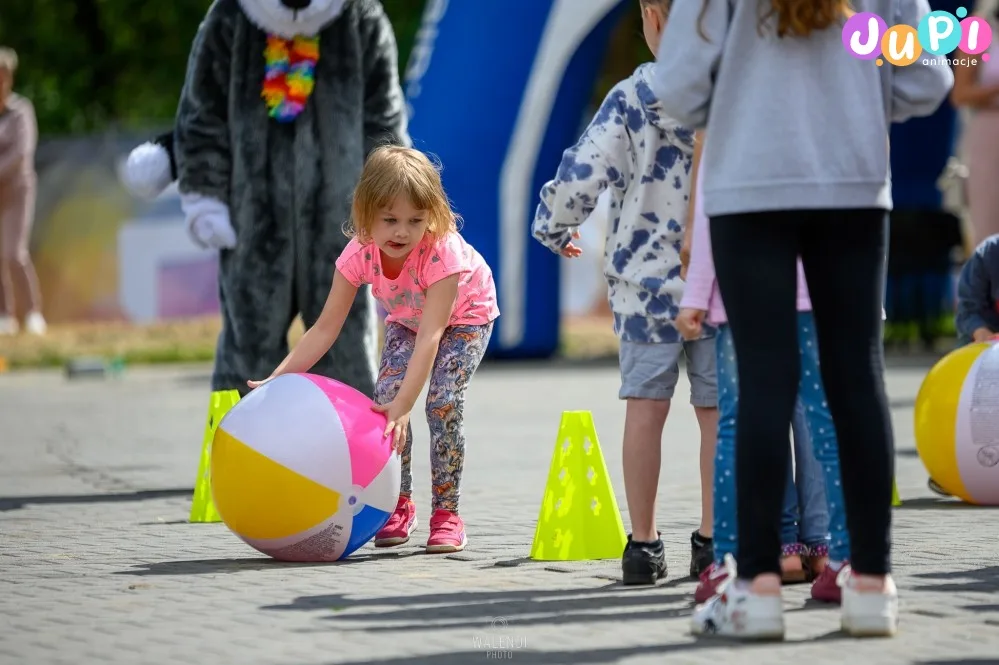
{"type": "Point", "coordinates": [460, 352]}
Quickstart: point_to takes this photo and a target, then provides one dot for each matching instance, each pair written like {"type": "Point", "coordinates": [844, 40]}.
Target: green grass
{"type": "Point", "coordinates": [194, 341]}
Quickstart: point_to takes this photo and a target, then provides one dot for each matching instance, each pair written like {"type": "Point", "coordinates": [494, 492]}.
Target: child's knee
{"type": "Point", "coordinates": [442, 412]}
{"type": "Point", "coordinates": [643, 412]}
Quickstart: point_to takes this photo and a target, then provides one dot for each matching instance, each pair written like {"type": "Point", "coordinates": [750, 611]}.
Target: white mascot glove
{"type": "Point", "coordinates": [207, 221]}
{"type": "Point", "coordinates": [146, 172]}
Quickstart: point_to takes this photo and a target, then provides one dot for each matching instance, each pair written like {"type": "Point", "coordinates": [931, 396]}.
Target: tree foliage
{"type": "Point", "coordinates": [93, 64]}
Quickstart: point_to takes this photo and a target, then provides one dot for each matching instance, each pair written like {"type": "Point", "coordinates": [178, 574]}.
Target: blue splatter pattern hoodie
{"type": "Point", "coordinates": [644, 159]}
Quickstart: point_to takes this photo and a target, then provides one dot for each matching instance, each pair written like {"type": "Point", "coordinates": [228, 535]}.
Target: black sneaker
{"type": "Point", "coordinates": [643, 563]}
{"type": "Point", "coordinates": [702, 553]}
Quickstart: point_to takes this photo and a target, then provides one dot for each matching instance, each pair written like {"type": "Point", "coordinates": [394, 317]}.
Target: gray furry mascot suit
{"type": "Point", "coordinates": [282, 102]}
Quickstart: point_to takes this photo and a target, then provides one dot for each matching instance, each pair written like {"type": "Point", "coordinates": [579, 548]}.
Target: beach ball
{"type": "Point", "coordinates": [957, 423]}
{"type": "Point", "coordinates": [301, 471]}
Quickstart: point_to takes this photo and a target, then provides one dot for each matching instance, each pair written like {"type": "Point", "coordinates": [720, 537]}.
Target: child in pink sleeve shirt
{"type": "Point", "coordinates": [814, 539]}
{"type": "Point", "coordinates": [441, 303]}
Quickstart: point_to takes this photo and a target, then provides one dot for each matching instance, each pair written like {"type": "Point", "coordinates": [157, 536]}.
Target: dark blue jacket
{"type": "Point", "coordinates": [978, 291]}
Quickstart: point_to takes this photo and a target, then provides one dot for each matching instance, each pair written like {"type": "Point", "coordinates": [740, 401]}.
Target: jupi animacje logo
{"type": "Point", "coordinates": [867, 36]}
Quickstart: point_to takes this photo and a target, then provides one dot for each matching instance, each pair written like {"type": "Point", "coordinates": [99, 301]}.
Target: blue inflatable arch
{"type": "Point", "coordinates": [496, 89]}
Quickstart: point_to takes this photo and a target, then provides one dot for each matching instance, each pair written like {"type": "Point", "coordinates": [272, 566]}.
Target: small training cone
{"type": "Point", "coordinates": [202, 506]}
{"type": "Point", "coordinates": [896, 500]}
{"type": "Point", "coordinates": [579, 518]}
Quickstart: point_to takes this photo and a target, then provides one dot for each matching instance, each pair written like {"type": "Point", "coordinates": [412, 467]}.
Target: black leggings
{"type": "Point", "coordinates": [843, 254]}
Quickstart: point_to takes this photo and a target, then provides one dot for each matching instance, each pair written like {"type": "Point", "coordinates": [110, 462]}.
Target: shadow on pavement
{"type": "Point", "coordinates": [982, 580]}
{"type": "Point", "coordinates": [488, 609]}
{"type": "Point", "coordinates": [986, 609]}
{"type": "Point", "coordinates": [938, 503]}
{"type": "Point", "coordinates": [959, 661]}
{"type": "Point", "coordinates": [535, 657]}
{"type": "Point", "coordinates": [216, 566]}
{"type": "Point", "coordinates": [500, 645]}
{"type": "Point", "coordinates": [18, 502]}
{"type": "Point", "coordinates": [495, 610]}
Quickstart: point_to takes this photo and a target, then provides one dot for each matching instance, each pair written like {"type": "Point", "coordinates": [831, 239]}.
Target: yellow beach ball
{"type": "Point", "coordinates": [957, 423]}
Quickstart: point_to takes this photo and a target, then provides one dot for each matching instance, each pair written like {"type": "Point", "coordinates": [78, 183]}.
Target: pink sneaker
{"type": "Point", "coordinates": [825, 588]}
{"type": "Point", "coordinates": [447, 533]}
{"type": "Point", "coordinates": [402, 523]}
{"type": "Point", "coordinates": [710, 580]}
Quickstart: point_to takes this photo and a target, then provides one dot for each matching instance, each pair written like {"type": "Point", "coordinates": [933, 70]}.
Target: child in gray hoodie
{"type": "Point", "coordinates": [797, 165]}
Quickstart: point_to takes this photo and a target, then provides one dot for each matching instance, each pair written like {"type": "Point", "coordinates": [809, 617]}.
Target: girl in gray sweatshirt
{"type": "Point", "coordinates": [796, 165]}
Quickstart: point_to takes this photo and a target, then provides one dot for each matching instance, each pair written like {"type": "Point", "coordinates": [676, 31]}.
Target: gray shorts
{"type": "Point", "coordinates": [651, 371]}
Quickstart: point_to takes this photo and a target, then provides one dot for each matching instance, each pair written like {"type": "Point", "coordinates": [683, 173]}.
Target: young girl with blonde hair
{"type": "Point", "coordinates": [441, 302]}
{"type": "Point", "coordinates": [796, 165]}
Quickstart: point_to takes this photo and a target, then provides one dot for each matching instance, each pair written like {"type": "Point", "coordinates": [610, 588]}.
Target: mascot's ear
{"type": "Point", "coordinates": [150, 167]}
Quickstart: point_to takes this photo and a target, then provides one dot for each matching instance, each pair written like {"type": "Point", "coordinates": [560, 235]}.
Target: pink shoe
{"type": "Point", "coordinates": [402, 523]}
{"type": "Point", "coordinates": [447, 533]}
{"type": "Point", "coordinates": [710, 580]}
{"type": "Point", "coordinates": [825, 588]}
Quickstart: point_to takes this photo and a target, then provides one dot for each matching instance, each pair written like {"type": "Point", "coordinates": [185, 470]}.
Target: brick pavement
{"type": "Point", "coordinates": [98, 564]}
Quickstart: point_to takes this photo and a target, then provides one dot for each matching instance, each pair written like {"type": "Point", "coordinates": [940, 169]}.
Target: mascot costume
{"type": "Point", "coordinates": [281, 104]}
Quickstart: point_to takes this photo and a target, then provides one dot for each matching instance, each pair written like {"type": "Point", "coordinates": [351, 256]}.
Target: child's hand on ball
{"type": "Point", "coordinates": [398, 422]}
{"type": "Point", "coordinates": [257, 384]}
{"type": "Point", "coordinates": [982, 335]}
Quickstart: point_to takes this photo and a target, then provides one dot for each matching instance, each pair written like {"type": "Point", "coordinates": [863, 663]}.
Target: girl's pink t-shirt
{"type": "Point", "coordinates": [403, 297]}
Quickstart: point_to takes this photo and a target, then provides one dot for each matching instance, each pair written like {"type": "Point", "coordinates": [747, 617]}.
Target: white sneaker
{"type": "Point", "coordinates": [868, 613]}
{"type": "Point", "coordinates": [737, 612]}
{"type": "Point", "coordinates": [8, 325]}
{"type": "Point", "coordinates": [35, 324]}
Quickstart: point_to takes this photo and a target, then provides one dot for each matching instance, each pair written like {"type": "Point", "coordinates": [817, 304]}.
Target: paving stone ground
{"type": "Point", "coordinates": [99, 565]}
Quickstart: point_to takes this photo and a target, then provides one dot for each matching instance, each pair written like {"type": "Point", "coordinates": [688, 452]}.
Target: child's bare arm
{"type": "Point", "coordinates": [688, 231]}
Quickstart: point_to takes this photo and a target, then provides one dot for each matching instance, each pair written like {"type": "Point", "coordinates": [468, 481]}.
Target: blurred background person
{"type": "Point", "coordinates": [976, 89]}
{"type": "Point", "coordinates": [18, 140]}
{"type": "Point", "coordinates": [925, 234]}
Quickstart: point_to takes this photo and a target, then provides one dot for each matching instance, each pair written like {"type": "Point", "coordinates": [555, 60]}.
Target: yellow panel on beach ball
{"type": "Point", "coordinates": [253, 493]}
{"type": "Point", "coordinates": [936, 417]}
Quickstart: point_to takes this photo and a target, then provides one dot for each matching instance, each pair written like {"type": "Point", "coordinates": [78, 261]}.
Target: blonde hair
{"type": "Point", "coordinates": [8, 59]}
{"type": "Point", "coordinates": [393, 171]}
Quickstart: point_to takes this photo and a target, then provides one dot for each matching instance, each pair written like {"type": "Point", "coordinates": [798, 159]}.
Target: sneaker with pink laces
{"type": "Point", "coordinates": [447, 533]}
{"type": "Point", "coordinates": [710, 580]}
{"type": "Point", "coordinates": [402, 523]}
{"type": "Point", "coordinates": [825, 588]}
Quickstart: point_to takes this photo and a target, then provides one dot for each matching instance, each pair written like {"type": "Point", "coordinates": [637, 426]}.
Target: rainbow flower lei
{"type": "Point", "coordinates": [290, 75]}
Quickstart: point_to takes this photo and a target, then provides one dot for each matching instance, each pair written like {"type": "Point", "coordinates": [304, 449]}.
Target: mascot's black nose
{"type": "Point", "coordinates": [296, 5]}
